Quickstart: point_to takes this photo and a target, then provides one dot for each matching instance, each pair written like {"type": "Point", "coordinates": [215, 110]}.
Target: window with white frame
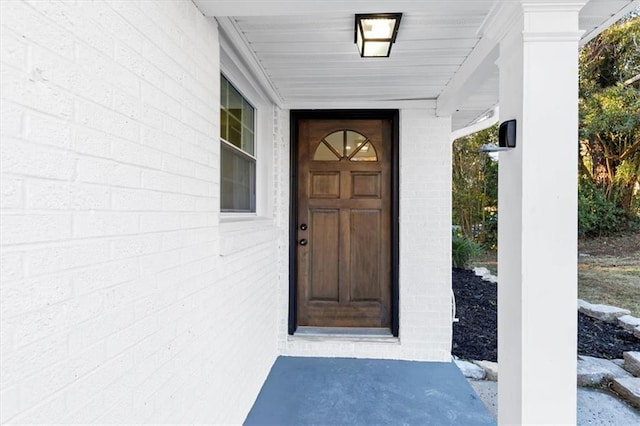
{"type": "Point", "coordinates": [237, 151]}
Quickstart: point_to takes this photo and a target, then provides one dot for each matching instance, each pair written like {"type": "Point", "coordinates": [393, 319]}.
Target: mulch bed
{"type": "Point", "coordinates": [475, 336]}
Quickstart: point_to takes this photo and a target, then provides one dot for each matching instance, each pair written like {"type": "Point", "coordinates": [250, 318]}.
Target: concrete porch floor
{"type": "Point", "coordinates": [346, 391]}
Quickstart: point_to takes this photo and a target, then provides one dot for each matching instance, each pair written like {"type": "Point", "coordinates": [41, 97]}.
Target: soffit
{"type": "Point", "coordinates": [305, 49]}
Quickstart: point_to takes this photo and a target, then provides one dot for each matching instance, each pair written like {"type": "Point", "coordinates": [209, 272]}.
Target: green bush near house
{"type": "Point", "coordinates": [598, 216]}
{"type": "Point", "coordinates": [463, 250]}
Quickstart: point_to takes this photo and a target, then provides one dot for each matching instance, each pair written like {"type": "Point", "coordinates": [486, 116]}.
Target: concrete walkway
{"type": "Point", "coordinates": [341, 391]}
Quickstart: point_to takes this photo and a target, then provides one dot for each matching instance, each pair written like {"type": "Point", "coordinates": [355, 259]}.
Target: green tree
{"type": "Point", "coordinates": [475, 187]}
{"type": "Point", "coordinates": [610, 114]}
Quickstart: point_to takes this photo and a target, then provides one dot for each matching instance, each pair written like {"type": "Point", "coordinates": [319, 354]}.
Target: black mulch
{"type": "Point", "coordinates": [475, 336]}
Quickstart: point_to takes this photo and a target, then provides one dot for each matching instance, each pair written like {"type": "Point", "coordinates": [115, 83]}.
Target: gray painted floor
{"type": "Point", "coordinates": [595, 407]}
{"type": "Point", "coordinates": [346, 391]}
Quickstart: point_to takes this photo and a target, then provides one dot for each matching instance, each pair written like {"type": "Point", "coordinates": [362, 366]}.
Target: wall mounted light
{"type": "Point", "coordinates": [506, 138]}
{"type": "Point", "coordinates": [375, 33]}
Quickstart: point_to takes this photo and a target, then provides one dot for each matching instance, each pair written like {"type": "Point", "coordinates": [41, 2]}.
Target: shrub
{"type": "Point", "coordinates": [596, 215]}
{"type": "Point", "coordinates": [463, 250]}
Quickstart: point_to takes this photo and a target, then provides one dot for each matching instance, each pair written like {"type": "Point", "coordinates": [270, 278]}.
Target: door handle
{"type": "Point", "coordinates": [303, 242]}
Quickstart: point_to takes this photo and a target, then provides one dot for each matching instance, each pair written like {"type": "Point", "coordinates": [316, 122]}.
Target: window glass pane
{"type": "Point", "coordinates": [247, 115]}
{"type": "Point", "coordinates": [354, 140]}
{"type": "Point", "coordinates": [366, 153]}
{"type": "Point", "coordinates": [247, 141]}
{"type": "Point", "coordinates": [237, 188]}
{"type": "Point", "coordinates": [336, 140]}
{"type": "Point", "coordinates": [235, 103]}
{"type": "Point", "coordinates": [323, 153]}
{"type": "Point", "coordinates": [235, 132]}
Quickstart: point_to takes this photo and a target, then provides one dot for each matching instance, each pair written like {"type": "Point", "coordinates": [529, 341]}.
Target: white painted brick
{"type": "Point", "coordinates": [12, 193]}
{"type": "Point", "coordinates": [54, 378]}
{"type": "Point", "coordinates": [125, 339]}
{"type": "Point", "coordinates": [195, 220]}
{"type": "Point", "coordinates": [137, 64]}
{"type": "Point", "coordinates": [92, 142]}
{"type": "Point", "coordinates": [71, 20]}
{"type": "Point", "coordinates": [107, 120]}
{"type": "Point", "coordinates": [198, 187]}
{"type": "Point", "coordinates": [127, 293]}
{"type": "Point", "coordinates": [101, 66]}
{"type": "Point", "coordinates": [56, 195]}
{"type": "Point", "coordinates": [37, 325]}
{"type": "Point", "coordinates": [118, 299]}
{"type": "Point", "coordinates": [14, 50]}
{"type": "Point", "coordinates": [178, 202]}
{"type": "Point", "coordinates": [154, 96]}
{"type": "Point", "coordinates": [17, 229]}
{"type": "Point", "coordinates": [152, 117]}
{"type": "Point", "coordinates": [207, 173]}
{"type": "Point", "coordinates": [11, 116]}
{"type": "Point", "coordinates": [117, 26]}
{"type": "Point", "coordinates": [9, 402]}
{"type": "Point", "coordinates": [99, 328]}
{"type": "Point", "coordinates": [50, 411]}
{"type": "Point", "coordinates": [195, 153]}
{"type": "Point", "coordinates": [29, 24]}
{"type": "Point", "coordinates": [126, 104]}
{"type": "Point", "coordinates": [88, 280]}
{"type": "Point", "coordinates": [49, 130]}
{"type": "Point", "coordinates": [57, 258]}
{"type": "Point", "coordinates": [159, 140]}
{"type": "Point", "coordinates": [139, 200]}
{"type": "Point", "coordinates": [30, 359]}
{"type": "Point", "coordinates": [87, 414]}
{"type": "Point", "coordinates": [82, 391]}
{"type": "Point", "coordinates": [20, 157]}
{"type": "Point", "coordinates": [135, 246]}
{"type": "Point", "coordinates": [178, 166]}
{"type": "Point", "coordinates": [108, 172]}
{"type": "Point", "coordinates": [154, 222]}
{"type": "Point", "coordinates": [11, 266]}
{"type": "Point", "coordinates": [19, 297]}
{"type": "Point", "coordinates": [63, 73]}
{"type": "Point", "coordinates": [179, 130]}
{"type": "Point", "coordinates": [157, 262]}
{"type": "Point", "coordinates": [143, 23]}
{"type": "Point", "coordinates": [96, 224]}
{"type": "Point", "coordinates": [31, 90]}
{"type": "Point", "coordinates": [160, 181]}
{"type": "Point", "coordinates": [209, 204]}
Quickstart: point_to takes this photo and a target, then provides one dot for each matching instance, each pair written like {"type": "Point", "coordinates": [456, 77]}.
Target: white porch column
{"type": "Point", "coordinates": [537, 242]}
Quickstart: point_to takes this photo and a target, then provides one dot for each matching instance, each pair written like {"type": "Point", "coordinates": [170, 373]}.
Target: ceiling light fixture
{"type": "Point", "coordinates": [375, 33]}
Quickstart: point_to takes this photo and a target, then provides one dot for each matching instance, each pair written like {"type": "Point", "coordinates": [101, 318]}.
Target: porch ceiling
{"type": "Point", "coordinates": [305, 53]}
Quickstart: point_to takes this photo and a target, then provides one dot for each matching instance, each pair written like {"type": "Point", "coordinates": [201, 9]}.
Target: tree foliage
{"type": "Point", "coordinates": [475, 187]}
{"type": "Point", "coordinates": [610, 115]}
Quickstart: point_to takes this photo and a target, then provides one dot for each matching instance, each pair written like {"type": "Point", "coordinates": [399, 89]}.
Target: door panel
{"type": "Point", "coordinates": [324, 259]}
{"type": "Point", "coordinates": [365, 246]}
{"type": "Point", "coordinates": [344, 218]}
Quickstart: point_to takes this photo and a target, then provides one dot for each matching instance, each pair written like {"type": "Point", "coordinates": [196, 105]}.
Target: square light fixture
{"type": "Point", "coordinates": [375, 33]}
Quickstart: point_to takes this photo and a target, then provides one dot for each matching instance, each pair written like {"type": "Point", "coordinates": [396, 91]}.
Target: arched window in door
{"type": "Point", "coordinates": [345, 145]}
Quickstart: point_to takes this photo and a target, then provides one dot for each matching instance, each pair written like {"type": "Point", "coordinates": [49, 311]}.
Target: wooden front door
{"type": "Point", "coordinates": [344, 223]}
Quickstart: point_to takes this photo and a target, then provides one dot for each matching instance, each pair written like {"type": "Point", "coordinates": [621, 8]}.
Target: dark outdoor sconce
{"type": "Point", "coordinates": [506, 138]}
{"type": "Point", "coordinates": [375, 33]}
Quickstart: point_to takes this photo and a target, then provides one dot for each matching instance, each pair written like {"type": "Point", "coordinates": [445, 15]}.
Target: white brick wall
{"type": "Point", "coordinates": [123, 299]}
